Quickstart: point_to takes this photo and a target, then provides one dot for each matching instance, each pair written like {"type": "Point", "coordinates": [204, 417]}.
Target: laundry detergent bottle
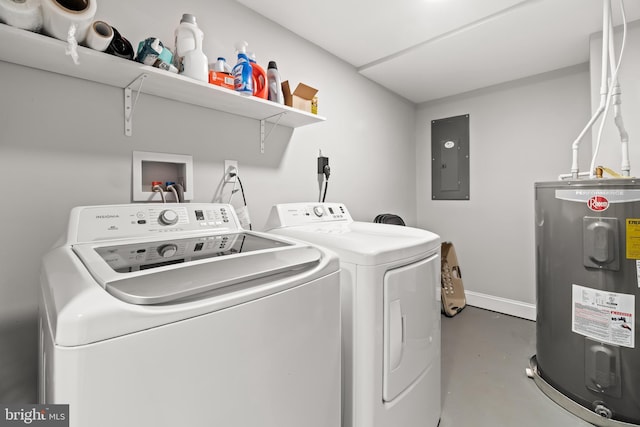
{"type": "Point", "coordinates": [192, 62]}
{"type": "Point", "coordinates": [242, 72]}
{"type": "Point", "coordinates": [221, 66]}
{"type": "Point", "coordinates": [221, 73]}
{"type": "Point", "coordinates": [274, 83]}
{"type": "Point", "coordinates": [260, 88]}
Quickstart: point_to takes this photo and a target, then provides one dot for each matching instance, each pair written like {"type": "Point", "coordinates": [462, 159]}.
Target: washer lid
{"type": "Point", "coordinates": [365, 243]}
{"type": "Point", "coordinates": [156, 272]}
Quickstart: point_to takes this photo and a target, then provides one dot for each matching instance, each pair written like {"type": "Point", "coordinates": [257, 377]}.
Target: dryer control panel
{"type": "Point", "coordinates": [292, 214]}
{"type": "Point", "coordinates": [98, 223]}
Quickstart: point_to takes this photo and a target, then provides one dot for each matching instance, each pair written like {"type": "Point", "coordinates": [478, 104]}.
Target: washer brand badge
{"type": "Point", "coordinates": [598, 203]}
{"type": "Point", "coordinates": [108, 216]}
{"type": "Point", "coordinates": [34, 415]}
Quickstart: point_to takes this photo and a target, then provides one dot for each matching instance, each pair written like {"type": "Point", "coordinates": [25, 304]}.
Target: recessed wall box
{"type": "Point", "coordinates": [160, 167]}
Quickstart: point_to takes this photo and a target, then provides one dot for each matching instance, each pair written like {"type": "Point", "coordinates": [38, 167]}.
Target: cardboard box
{"type": "Point", "coordinates": [301, 98]}
{"type": "Point", "coordinates": [221, 79]}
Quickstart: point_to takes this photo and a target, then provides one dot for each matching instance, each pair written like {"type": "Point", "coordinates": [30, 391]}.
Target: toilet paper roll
{"type": "Point", "coordinates": [25, 14]}
{"type": "Point", "coordinates": [59, 15]}
{"type": "Point", "coordinates": [99, 36]}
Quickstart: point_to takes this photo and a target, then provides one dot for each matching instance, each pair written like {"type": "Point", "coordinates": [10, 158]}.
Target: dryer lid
{"type": "Point", "coordinates": [156, 272]}
{"type": "Point", "coordinates": [365, 243]}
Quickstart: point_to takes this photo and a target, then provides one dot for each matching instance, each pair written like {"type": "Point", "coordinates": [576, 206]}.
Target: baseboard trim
{"type": "Point", "coordinates": [501, 305]}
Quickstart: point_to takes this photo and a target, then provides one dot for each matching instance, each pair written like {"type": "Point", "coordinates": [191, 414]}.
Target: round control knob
{"type": "Point", "coordinates": [318, 211]}
{"type": "Point", "coordinates": [168, 217]}
{"type": "Point", "coordinates": [168, 250]}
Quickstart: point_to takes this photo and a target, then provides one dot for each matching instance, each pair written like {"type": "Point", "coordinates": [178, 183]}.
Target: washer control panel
{"type": "Point", "coordinates": [93, 223]}
{"type": "Point", "coordinates": [128, 257]}
{"type": "Point", "coordinates": [292, 214]}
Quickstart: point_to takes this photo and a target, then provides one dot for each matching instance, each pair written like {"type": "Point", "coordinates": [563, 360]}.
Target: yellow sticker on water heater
{"type": "Point", "coordinates": [633, 238]}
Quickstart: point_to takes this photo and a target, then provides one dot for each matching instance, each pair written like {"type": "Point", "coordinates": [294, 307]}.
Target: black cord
{"type": "Point", "coordinates": [324, 196]}
{"type": "Point", "coordinates": [327, 172]}
{"type": "Point", "coordinates": [244, 199]}
{"type": "Point", "coordinates": [180, 189]}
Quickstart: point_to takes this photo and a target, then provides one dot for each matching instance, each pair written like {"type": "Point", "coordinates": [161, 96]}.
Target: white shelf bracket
{"type": "Point", "coordinates": [130, 104]}
{"type": "Point", "coordinates": [264, 137]}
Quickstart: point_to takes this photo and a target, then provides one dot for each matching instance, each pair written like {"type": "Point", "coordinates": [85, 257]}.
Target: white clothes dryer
{"type": "Point", "coordinates": [173, 315]}
{"type": "Point", "coordinates": [390, 287]}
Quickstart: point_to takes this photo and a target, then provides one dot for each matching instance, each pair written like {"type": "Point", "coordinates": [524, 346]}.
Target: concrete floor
{"type": "Point", "coordinates": [484, 384]}
{"type": "Point", "coordinates": [484, 357]}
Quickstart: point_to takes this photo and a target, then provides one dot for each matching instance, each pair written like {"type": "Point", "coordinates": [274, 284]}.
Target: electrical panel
{"type": "Point", "coordinates": [450, 158]}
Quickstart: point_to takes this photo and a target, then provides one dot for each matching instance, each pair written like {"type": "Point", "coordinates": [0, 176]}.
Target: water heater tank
{"type": "Point", "coordinates": [587, 279]}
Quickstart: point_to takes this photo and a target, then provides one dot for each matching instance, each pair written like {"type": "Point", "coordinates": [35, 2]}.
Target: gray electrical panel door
{"type": "Point", "coordinates": [450, 158]}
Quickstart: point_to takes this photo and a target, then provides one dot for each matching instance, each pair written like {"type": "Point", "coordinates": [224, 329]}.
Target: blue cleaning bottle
{"type": "Point", "coordinates": [242, 72]}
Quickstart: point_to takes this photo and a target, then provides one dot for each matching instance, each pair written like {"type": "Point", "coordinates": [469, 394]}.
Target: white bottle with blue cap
{"type": "Point", "coordinates": [221, 66]}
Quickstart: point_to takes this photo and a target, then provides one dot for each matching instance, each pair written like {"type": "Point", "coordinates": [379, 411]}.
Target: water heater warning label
{"type": "Point", "coordinates": [633, 238]}
{"type": "Point", "coordinates": [603, 316]}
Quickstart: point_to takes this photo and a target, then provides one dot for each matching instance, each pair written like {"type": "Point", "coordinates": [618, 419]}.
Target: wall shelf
{"type": "Point", "coordinates": [46, 53]}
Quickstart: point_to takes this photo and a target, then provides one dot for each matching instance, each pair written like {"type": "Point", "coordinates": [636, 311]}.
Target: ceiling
{"type": "Point", "coordinates": [429, 49]}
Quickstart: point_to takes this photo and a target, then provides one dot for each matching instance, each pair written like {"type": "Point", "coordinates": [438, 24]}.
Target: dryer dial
{"type": "Point", "coordinates": [168, 217]}
{"type": "Point", "coordinates": [318, 211]}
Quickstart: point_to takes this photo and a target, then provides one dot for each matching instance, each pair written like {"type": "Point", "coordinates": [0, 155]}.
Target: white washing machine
{"type": "Point", "coordinates": [173, 315]}
{"type": "Point", "coordinates": [390, 285]}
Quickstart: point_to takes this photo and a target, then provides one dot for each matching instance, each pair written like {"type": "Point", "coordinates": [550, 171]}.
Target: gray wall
{"type": "Point", "coordinates": [610, 153]}
{"type": "Point", "coordinates": [520, 132]}
{"type": "Point", "coordinates": [62, 145]}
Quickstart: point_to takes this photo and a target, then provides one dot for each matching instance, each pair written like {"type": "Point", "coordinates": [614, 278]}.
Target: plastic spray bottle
{"type": "Point", "coordinates": [242, 72]}
{"type": "Point", "coordinates": [191, 61]}
{"type": "Point", "coordinates": [275, 83]}
{"type": "Point", "coordinates": [260, 88]}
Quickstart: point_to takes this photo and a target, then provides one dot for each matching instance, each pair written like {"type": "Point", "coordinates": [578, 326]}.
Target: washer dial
{"type": "Point", "coordinates": [168, 250]}
{"type": "Point", "coordinates": [168, 217]}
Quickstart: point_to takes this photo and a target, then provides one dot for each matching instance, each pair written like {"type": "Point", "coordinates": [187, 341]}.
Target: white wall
{"type": "Point", "coordinates": [520, 133]}
{"type": "Point", "coordinates": [610, 154]}
{"type": "Point", "coordinates": [62, 145]}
